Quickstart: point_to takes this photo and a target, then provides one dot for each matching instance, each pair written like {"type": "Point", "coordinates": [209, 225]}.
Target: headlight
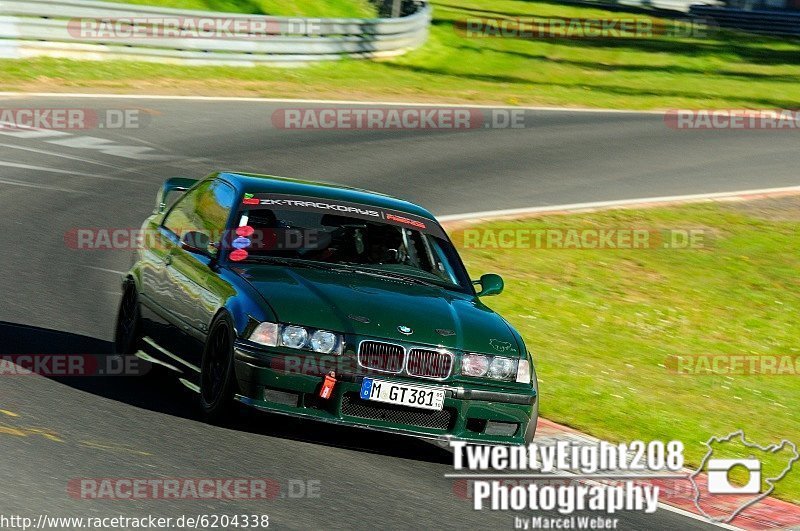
{"type": "Point", "coordinates": [524, 372]}
{"type": "Point", "coordinates": [294, 337]}
{"type": "Point", "coordinates": [265, 334]}
{"type": "Point", "coordinates": [474, 365]}
{"type": "Point", "coordinates": [503, 369]}
{"type": "Point", "coordinates": [324, 342]}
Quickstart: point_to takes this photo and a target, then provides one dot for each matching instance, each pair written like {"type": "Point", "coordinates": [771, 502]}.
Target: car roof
{"type": "Point", "coordinates": [254, 183]}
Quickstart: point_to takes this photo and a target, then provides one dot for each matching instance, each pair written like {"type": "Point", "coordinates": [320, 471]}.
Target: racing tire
{"type": "Point", "coordinates": [217, 375]}
{"type": "Point", "coordinates": [128, 333]}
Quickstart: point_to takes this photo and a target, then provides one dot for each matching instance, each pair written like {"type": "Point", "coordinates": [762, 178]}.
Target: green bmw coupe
{"type": "Point", "coordinates": [323, 302]}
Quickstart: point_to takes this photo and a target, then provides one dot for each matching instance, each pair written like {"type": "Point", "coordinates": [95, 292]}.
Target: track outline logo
{"type": "Point", "coordinates": [770, 448]}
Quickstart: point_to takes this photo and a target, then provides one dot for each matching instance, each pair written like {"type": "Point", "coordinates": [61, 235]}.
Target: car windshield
{"type": "Point", "coordinates": [362, 238]}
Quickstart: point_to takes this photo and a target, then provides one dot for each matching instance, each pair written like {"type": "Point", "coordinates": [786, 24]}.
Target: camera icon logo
{"type": "Point", "coordinates": [719, 476]}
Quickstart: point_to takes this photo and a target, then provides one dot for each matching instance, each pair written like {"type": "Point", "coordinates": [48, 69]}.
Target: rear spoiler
{"type": "Point", "coordinates": [176, 184]}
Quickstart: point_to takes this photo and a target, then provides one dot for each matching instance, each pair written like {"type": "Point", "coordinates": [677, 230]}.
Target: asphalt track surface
{"type": "Point", "coordinates": [60, 300]}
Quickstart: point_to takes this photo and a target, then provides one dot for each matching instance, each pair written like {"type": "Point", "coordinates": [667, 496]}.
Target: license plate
{"type": "Point", "coordinates": [402, 394]}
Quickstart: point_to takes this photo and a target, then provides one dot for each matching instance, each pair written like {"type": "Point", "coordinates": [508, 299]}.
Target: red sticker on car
{"type": "Point", "coordinates": [238, 255]}
{"type": "Point", "coordinates": [406, 221]}
{"type": "Point", "coordinates": [245, 231]}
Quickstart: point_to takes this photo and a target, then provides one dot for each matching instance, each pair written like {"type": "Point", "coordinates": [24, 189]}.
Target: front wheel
{"type": "Point", "coordinates": [217, 375]}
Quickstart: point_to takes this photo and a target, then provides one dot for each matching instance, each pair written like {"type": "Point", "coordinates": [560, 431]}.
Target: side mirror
{"type": "Point", "coordinates": [491, 284]}
{"type": "Point", "coordinates": [196, 242]}
{"type": "Point", "coordinates": [176, 184]}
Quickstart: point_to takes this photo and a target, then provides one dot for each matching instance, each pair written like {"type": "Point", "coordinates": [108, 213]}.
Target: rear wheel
{"type": "Point", "coordinates": [217, 375]}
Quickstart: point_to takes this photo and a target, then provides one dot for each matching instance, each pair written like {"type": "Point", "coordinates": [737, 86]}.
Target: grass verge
{"type": "Point", "coordinates": [604, 324]}
{"type": "Point", "coordinates": [722, 70]}
{"type": "Point", "coordinates": [307, 8]}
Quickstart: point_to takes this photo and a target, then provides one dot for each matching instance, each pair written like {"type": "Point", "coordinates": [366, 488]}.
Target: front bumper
{"type": "Point", "coordinates": [471, 414]}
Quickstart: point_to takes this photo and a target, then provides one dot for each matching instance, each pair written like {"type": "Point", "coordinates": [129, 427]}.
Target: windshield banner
{"type": "Point", "coordinates": [344, 208]}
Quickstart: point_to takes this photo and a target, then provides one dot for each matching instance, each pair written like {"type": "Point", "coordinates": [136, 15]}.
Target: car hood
{"type": "Point", "coordinates": [366, 305]}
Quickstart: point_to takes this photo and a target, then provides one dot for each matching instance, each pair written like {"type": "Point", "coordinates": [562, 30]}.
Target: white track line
{"type": "Point", "coordinates": [323, 102]}
{"type": "Point", "coordinates": [490, 214]}
{"type": "Point", "coordinates": [104, 269]}
{"type": "Point", "coordinates": [52, 170]}
{"type": "Point", "coordinates": [59, 155]}
{"type": "Point", "coordinates": [694, 516]}
{"type": "Point", "coordinates": [13, 182]}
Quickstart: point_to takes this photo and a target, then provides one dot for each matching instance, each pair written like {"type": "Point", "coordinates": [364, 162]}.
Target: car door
{"type": "Point", "coordinates": [195, 290]}
{"type": "Point", "coordinates": [161, 316]}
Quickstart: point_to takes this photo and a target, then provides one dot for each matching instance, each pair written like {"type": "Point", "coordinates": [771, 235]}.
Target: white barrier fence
{"type": "Point", "coordinates": [99, 30]}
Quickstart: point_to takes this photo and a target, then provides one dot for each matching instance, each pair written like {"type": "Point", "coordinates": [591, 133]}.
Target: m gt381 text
{"type": "Point", "coordinates": [327, 303]}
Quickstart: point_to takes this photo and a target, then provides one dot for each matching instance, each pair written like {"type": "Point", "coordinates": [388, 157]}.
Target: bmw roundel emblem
{"type": "Point", "coordinates": [403, 329]}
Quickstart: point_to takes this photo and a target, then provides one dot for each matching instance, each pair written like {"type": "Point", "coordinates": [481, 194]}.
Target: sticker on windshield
{"type": "Point", "coordinates": [238, 255]}
{"type": "Point", "coordinates": [250, 200]}
{"type": "Point", "coordinates": [245, 231]}
{"type": "Point", "coordinates": [406, 221]}
{"type": "Point", "coordinates": [346, 208]}
{"type": "Point", "coordinates": [241, 243]}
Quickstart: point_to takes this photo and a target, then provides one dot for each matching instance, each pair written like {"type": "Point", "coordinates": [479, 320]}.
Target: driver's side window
{"type": "Point", "coordinates": [204, 209]}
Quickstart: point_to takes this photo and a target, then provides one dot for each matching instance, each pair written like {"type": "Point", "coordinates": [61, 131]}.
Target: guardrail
{"type": "Point", "coordinates": [683, 6]}
{"type": "Point", "coordinates": [763, 22]}
{"type": "Point", "coordinates": [714, 12]}
{"type": "Point", "coordinates": [87, 29]}
{"type": "Point", "coordinates": [667, 5]}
